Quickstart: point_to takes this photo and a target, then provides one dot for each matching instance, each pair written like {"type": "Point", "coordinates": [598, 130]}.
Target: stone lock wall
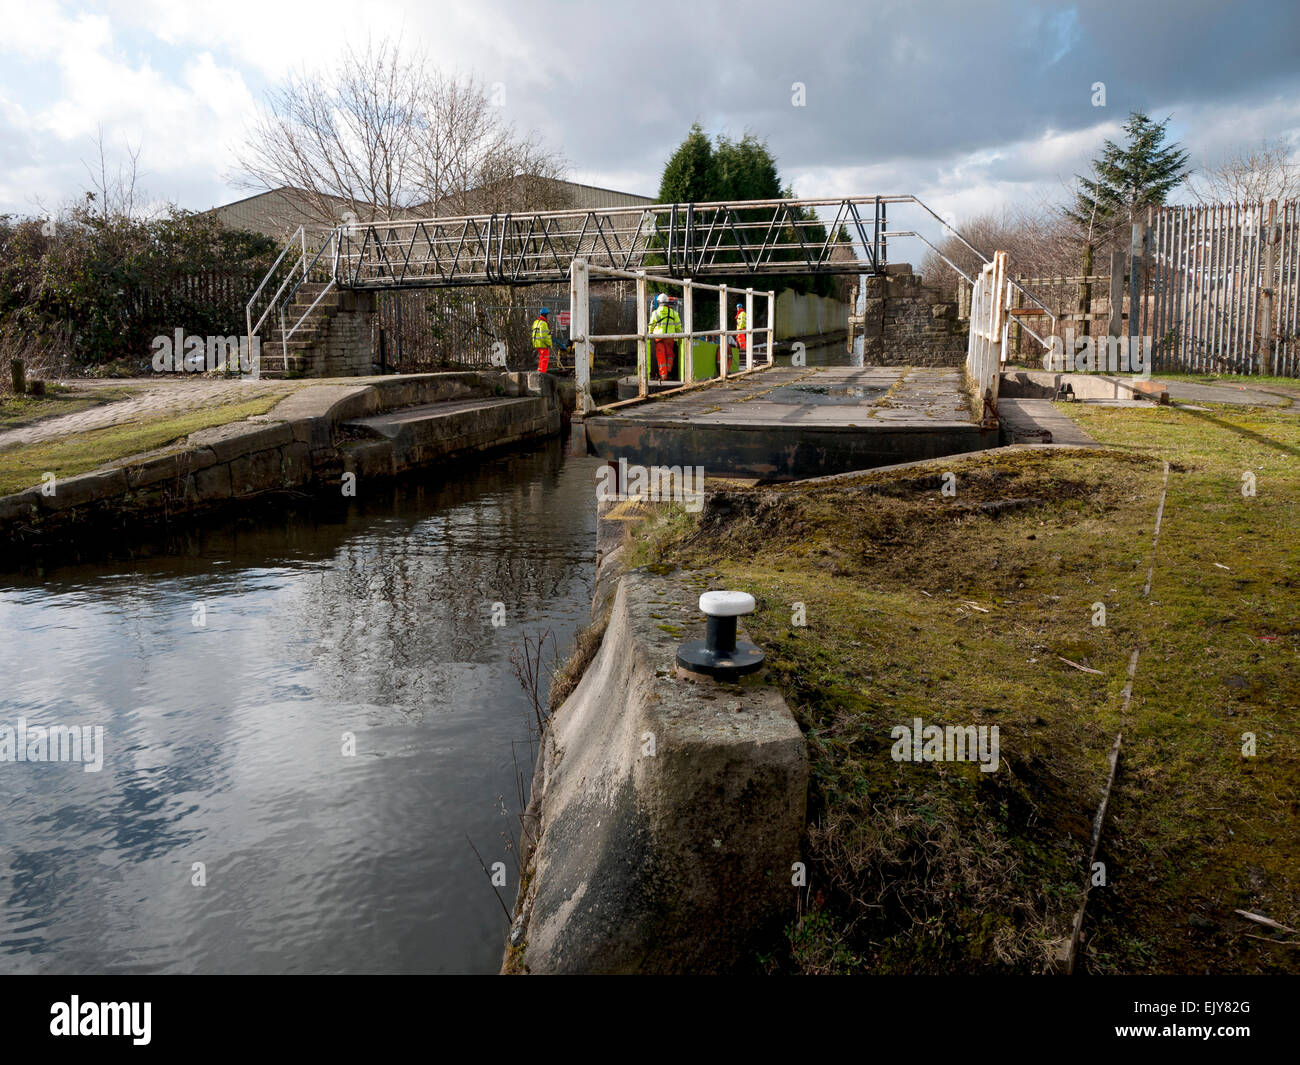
{"type": "Point", "coordinates": [905, 324]}
{"type": "Point", "coordinates": [310, 439]}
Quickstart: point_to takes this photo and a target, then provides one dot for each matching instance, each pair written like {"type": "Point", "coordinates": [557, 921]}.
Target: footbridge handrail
{"type": "Point", "coordinates": [297, 239]}
{"type": "Point", "coordinates": [751, 238]}
{"type": "Point", "coordinates": [583, 340]}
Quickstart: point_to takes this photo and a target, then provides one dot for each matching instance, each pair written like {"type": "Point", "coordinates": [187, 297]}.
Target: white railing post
{"type": "Point", "coordinates": [579, 330]}
{"type": "Point", "coordinates": [642, 362]}
{"type": "Point", "coordinates": [749, 329]}
{"type": "Point", "coordinates": [999, 331]}
{"type": "Point", "coordinates": [688, 325]}
{"type": "Point", "coordinates": [724, 356]}
{"type": "Point", "coordinates": [771, 326]}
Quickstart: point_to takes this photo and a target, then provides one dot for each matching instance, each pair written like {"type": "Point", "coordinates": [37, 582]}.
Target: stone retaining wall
{"type": "Point", "coordinates": [302, 442]}
{"type": "Point", "coordinates": [906, 325]}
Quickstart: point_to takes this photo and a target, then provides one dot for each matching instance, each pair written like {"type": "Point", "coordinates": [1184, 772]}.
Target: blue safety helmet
{"type": "Point", "coordinates": [544, 311]}
{"type": "Point", "coordinates": [740, 306]}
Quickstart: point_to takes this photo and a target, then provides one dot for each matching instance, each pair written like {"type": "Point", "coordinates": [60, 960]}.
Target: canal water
{"type": "Point", "coordinates": [228, 671]}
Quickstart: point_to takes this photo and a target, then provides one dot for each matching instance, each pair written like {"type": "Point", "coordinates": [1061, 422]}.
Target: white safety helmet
{"type": "Point", "coordinates": [661, 300]}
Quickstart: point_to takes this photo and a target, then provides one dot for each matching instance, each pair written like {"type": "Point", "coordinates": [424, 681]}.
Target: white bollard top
{"type": "Point", "coordinates": [726, 604]}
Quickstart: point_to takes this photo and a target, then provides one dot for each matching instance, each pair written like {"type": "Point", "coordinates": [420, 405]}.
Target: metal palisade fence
{"type": "Point", "coordinates": [1223, 288]}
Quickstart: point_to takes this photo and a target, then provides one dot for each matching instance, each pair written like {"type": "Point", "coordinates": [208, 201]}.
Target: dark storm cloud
{"type": "Point", "coordinates": [890, 80]}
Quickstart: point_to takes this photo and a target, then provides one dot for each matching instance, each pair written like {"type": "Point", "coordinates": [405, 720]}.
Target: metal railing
{"type": "Point", "coordinates": [583, 340]}
{"type": "Point", "coordinates": [287, 331]}
{"type": "Point", "coordinates": [291, 271]}
{"type": "Point", "coordinates": [273, 303]}
{"type": "Point", "coordinates": [677, 239]}
{"type": "Point", "coordinates": [986, 345]}
{"type": "Point", "coordinates": [754, 238]}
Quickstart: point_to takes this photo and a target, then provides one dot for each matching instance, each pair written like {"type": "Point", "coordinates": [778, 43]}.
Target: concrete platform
{"type": "Point", "coordinates": [783, 423]}
{"type": "Point", "coordinates": [1037, 421]}
{"type": "Point", "coordinates": [417, 435]}
{"type": "Point", "coordinates": [1088, 387]}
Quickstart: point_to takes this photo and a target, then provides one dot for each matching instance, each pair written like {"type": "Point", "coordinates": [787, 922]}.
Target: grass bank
{"type": "Point", "coordinates": [21, 467]}
{"type": "Point", "coordinates": [1245, 380]}
{"type": "Point", "coordinates": [19, 411]}
{"type": "Point", "coordinates": [921, 604]}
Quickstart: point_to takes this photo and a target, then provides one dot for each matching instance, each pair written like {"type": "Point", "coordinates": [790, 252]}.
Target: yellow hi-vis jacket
{"type": "Point", "coordinates": [541, 333]}
{"type": "Point", "coordinates": [742, 320]}
{"type": "Point", "coordinates": [665, 320]}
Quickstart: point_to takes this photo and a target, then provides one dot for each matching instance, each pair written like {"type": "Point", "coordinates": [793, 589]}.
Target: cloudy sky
{"type": "Point", "coordinates": [967, 105]}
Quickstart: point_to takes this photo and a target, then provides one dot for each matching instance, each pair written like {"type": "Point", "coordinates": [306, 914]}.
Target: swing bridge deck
{"type": "Point", "coordinates": [781, 423]}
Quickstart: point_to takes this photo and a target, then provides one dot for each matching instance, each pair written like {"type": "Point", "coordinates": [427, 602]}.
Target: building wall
{"type": "Point", "coordinates": [804, 314]}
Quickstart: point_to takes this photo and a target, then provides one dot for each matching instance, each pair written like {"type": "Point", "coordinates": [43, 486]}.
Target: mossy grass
{"type": "Point", "coordinates": [1246, 380]}
{"type": "Point", "coordinates": [22, 467]}
{"type": "Point", "coordinates": [918, 604]}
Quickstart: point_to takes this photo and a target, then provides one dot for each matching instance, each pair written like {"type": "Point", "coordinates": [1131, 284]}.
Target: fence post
{"type": "Point", "coordinates": [749, 329]}
{"type": "Point", "coordinates": [688, 325]}
{"type": "Point", "coordinates": [578, 332]}
{"type": "Point", "coordinates": [1115, 327]}
{"type": "Point", "coordinates": [724, 356]}
{"type": "Point", "coordinates": [771, 326]}
{"type": "Point", "coordinates": [1085, 292]}
{"type": "Point", "coordinates": [1137, 277]}
{"type": "Point", "coordinates": [1266, 293]}
{"type": "Point", "coordinates": [642, 363]}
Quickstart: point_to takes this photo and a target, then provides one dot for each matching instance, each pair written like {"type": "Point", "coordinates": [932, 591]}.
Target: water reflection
{"type": "Point", "coordinates": [224, 742]}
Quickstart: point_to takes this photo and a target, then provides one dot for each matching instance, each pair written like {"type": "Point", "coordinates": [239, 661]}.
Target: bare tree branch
{"type": "Point", "coordinates": [385, 136]}
{"type": "Point", "coordinates": [113, 195]}
{"type": "Point", "coordinates": [1264, 172]}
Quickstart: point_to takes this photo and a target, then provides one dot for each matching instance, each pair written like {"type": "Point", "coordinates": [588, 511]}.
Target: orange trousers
{"type": "Point", "coordinates": [665, 350]}
{"type": "Point", "coordinates": [543, 359]}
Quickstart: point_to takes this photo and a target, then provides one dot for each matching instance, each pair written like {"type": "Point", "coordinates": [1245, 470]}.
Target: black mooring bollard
{"type": "Point", "coordinates": [720, 655]}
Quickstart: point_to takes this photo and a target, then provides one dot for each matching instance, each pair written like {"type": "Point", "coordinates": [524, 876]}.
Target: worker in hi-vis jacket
{"type": "Point", "coordinates": [665, 320]}
{"type": "Point", "coordinates": [542, 339]}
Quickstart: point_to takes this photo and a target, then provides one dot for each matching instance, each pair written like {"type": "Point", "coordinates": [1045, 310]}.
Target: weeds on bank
{"type": "Point", "coordinates": [922, 604]}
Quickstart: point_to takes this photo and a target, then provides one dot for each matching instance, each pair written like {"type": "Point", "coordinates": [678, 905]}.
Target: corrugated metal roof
{"type": "Point", "coordinates": [278, 212]}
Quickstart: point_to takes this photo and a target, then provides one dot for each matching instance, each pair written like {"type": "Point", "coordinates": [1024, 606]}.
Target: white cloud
{"type": "Point", "coordinates": [182, 123]}
{"type": "Point", "coordinates": [183, 79]}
